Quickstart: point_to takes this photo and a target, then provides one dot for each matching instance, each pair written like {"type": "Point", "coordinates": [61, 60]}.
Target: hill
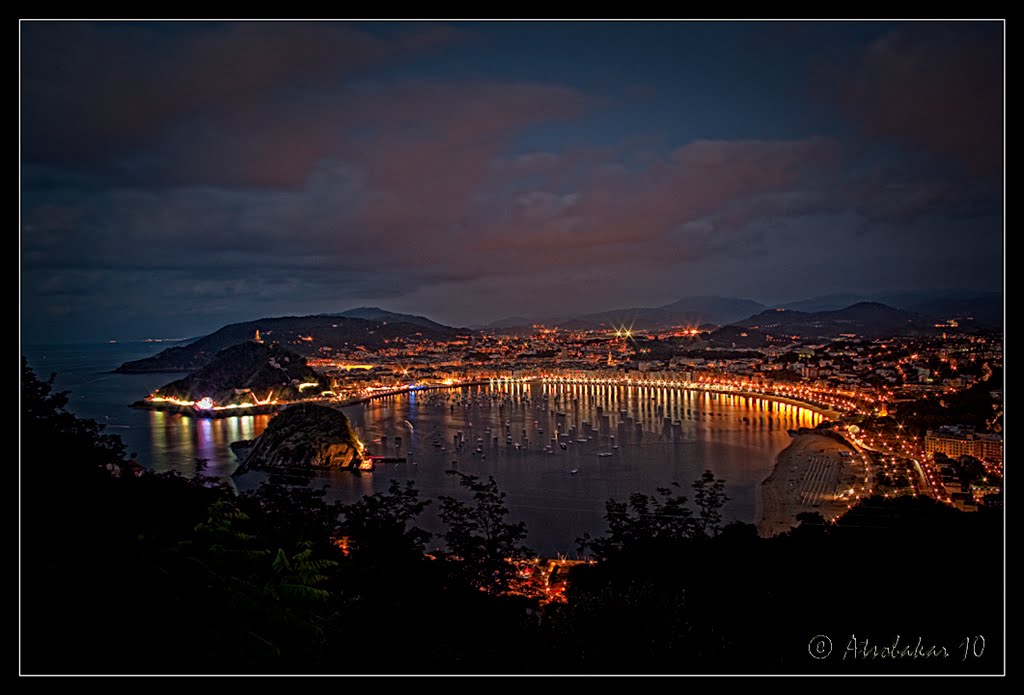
{"type": "Point", "coordinates": [982, 309]}
{"type": "Point", "coordinates": [689, 311]}
{"type": "Point", "coordinates": [828, 302]}
{"type": "Point", "coordinates": [241, 372]}
{"type": "Point", "coordinates": [513, 322]}
{"type": "Point", "coordinates": [308, 336]}
{"type": "Point", "coordinates": [376, 314]}
{"type": "Point", "coordinates": [306, 436]}
{"type": "Point", "coordinates": [865, 319]}
{"type": "Point", "coordinates": [970, 308]}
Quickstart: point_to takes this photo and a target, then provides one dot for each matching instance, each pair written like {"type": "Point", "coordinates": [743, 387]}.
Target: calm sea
{"type": "Point", "coordinates": [558, 488]}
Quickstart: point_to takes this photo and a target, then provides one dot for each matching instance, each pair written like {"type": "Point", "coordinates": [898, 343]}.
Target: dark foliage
{"type": "Point", "coordinates": [479, 538]}
{"type": "Point", "coordinates": [737, 603]}
{"type": "Point", "coordinates": [645, 523]}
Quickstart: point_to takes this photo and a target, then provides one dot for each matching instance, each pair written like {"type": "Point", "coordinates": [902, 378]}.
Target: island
{"type": "Point", "coordinates": [306, 436]}
{"type": "Point", "coordinates": [250, 377]}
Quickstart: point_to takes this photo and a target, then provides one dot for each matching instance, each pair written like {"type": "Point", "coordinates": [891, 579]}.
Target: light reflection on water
{"type": "Point", "coordinates": [735, 436]}
{"type": "Point", "coordinates": [176, 441]}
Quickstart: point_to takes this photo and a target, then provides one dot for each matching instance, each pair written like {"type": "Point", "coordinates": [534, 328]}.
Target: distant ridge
{"type": "Point", "coordinates": [696, 311]}
{"type": "Point", "coordinates": [304, 335]}
{"type": "Point", "coordinates": [514, 322]}
{"type": "Point", "coordinates": [372, 313]}
{"type": "Point", "coordinates": [984, 309]}
{"type": "Point", "coordinates": [866, 315]}
{"type": "Point", "coordinates": [865, 319]}
{"type": "Point", "coordinates": [828, 302]}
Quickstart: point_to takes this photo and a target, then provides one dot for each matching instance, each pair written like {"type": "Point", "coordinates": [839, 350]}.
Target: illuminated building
{"type": "Point", "coordinates": [954, 443]}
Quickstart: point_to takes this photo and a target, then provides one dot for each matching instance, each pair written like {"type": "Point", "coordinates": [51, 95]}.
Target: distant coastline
{"type": "Point", "coordinates": [120, 370]}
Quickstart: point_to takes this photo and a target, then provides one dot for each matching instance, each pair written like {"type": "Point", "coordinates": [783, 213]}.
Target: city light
{"type": "Point", "coordinates": [838, 384]}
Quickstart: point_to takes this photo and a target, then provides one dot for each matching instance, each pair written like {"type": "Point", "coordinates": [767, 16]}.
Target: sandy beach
{"type": "Point", "coordinates": [813, 474]}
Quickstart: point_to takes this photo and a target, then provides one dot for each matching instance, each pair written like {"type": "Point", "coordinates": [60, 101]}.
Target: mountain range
{"type": "Point", "coordinates": [864, 319]}
{"type": "Point", "coordinates": [826, 316]}
{"type": "Point", "coordinates": [985, 309]}
{"type": "Point", "coordinates": [696, 311]}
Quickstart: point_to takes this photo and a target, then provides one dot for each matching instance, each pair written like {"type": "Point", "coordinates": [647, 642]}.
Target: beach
{"type": "Point", "coordinates": [815, 473]}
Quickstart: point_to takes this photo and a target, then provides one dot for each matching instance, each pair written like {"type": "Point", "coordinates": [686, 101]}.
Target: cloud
{"type": "Point", "coordinates": [539, 205]}
{"type": "Point", "coordinates": [938, 86]}
{"type": "Point", "coordinates": [649, 207]}
{"type": "Point", "coordinates": [262, 168]}
{"type": "Point", "coordinates": [421, 221]}
{"type": "Point", "coordinates": [96, 92]}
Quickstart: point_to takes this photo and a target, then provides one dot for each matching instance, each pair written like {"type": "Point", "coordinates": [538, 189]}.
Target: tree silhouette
{"type": "Point", "coordinates": [709, 494]}
{"type": "Point", "coordinates": [380, 524]}
{"type": "Point", "coordinates": [478, 538]}
{"type": "Point", "coordinates": [646, 521]}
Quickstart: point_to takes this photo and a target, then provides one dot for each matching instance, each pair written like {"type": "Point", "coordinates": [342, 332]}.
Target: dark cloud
{"type": "Point", "coordinates": [421, 222]}
{"type": "Point", "coordinates": [93, 93]}
{"type": "Point", "coordinates": [189, 175]}
{"type": "Point", "coordinates": [938, 86]}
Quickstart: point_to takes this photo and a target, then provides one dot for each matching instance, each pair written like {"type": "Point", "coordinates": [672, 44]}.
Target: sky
{"type": "Point", "coordinates": [176, 177]}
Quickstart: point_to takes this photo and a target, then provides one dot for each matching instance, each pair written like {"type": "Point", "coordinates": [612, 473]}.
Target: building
{"type": "Point", "coordinates": [954, 443]}
{"type": "Point", "coordinates": [991, 448]}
